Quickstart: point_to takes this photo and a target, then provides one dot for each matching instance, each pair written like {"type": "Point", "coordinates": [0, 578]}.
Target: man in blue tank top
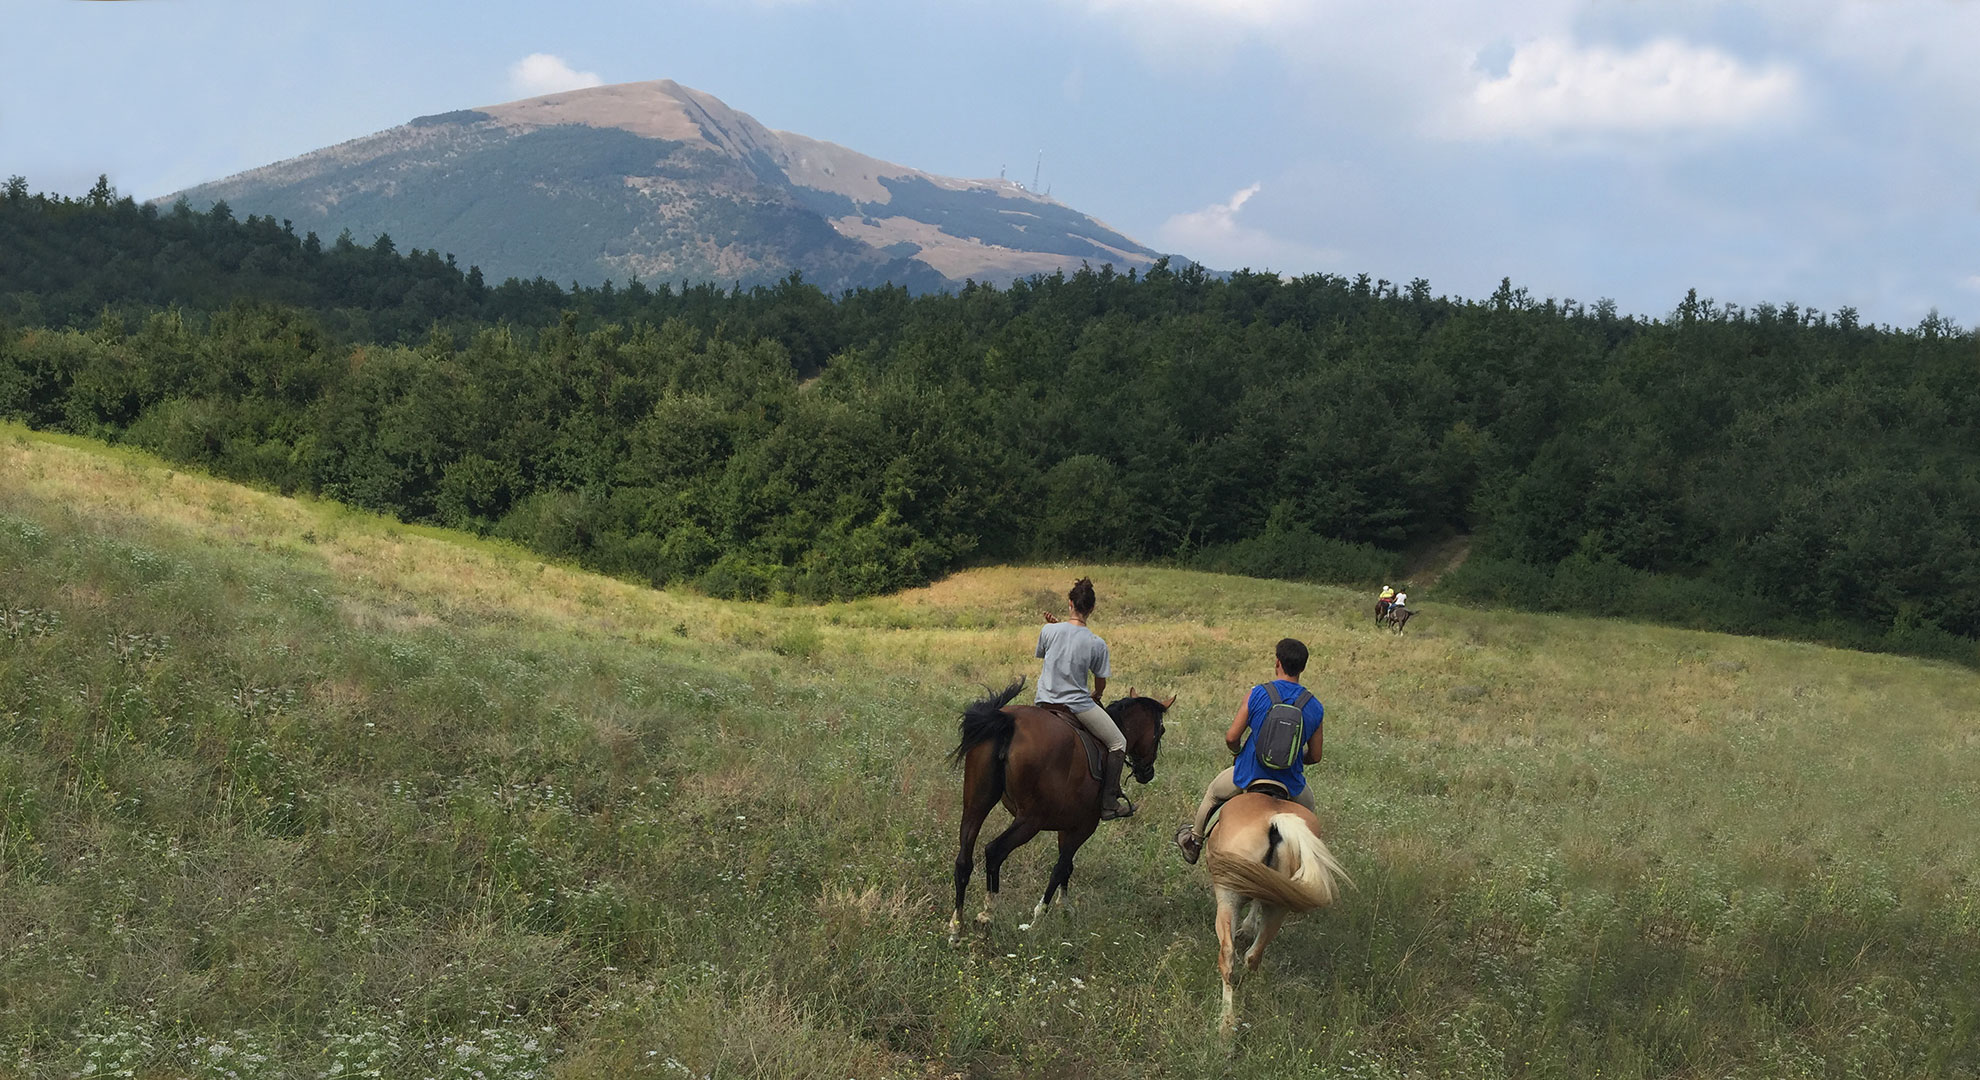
{"type": "Point", "coordinates": [1289, 660]}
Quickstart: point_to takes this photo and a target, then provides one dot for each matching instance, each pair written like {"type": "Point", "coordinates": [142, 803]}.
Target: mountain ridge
{"type": "Point", "coordinates": [657, 180]}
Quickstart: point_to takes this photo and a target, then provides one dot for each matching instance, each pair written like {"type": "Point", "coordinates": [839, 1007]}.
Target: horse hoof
{"type": "Point", "coordinates": [983, 918]}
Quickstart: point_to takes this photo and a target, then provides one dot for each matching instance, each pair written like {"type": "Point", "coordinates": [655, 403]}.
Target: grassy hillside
{"type": "Point", "coordinates": [288, 790]}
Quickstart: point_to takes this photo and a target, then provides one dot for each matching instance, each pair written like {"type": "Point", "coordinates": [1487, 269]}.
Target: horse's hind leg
{"type": "Point", "coordinates": [1227, 905]}
{"type": "Point", "coordinates": [994, 854]}
{"type": "Point", "coordinates": [972, 824]}
{"type": "Point", "coordinates": [981, 790]}
{"type": "Point", "coordinates": [1269, 919]}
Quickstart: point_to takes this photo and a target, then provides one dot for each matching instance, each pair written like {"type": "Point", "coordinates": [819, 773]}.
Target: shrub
{"type": "Point", "coordinates": [736, 577]}
{"type": "Point", "coordinates": [1298, 555]}
{"type": "Point", "coordinates": [551, 522]}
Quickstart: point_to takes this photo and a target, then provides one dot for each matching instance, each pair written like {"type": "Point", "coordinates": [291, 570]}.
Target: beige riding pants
{"type": "Point", "coordinates": [1224, 788]}
{"type": "Point", "coordinates": [1103, 728]}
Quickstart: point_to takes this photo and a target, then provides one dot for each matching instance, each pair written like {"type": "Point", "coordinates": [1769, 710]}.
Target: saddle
{"type": "Point", "coordinates": [1095, 754]}
{"type": "Point", "coordinates": [1269, 787]}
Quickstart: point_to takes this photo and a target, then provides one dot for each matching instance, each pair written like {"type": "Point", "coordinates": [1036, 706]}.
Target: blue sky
{"type": "Point", "coordinates": [1825, 152]}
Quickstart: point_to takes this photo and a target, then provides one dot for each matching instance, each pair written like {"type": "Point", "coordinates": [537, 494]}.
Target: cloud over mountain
{"type": "Point", "coordinates": [543, 73]}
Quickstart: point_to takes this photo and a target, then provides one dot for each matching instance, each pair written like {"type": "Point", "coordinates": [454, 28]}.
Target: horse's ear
{"type": "Point", "coordinates": [1131, 692]}
{"type": "Point", "coordinates": [1171, 701]}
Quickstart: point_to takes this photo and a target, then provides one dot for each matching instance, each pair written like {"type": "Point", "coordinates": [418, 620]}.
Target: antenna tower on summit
{"type": "Point", "coordinates": [1037, 169]}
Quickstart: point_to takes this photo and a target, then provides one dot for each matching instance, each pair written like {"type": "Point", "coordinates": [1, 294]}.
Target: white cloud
{"type": "Point", "coordinates": [542, 73]}
{"type": "Point", "coordinates": [1552, 88]}
{"type": "Point", "coordinates": [1215, 237]}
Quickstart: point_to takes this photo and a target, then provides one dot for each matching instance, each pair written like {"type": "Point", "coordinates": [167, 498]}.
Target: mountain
{"type": "Point", "coordinates": [658, 181]}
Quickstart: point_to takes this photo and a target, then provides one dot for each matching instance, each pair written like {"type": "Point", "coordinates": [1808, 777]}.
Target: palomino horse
{"type": "Point", "coordinates": [1031, 760]}
{"type": "Point", "coordinates": [1268, 851]}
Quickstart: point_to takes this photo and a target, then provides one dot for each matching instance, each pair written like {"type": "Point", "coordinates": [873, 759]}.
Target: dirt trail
{"type": "Point", "coordinates": [1428, 564]}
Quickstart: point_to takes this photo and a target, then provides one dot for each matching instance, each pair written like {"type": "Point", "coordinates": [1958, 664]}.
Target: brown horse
{"type": "Point", "coordinates": [1031, 760]}
{"type": "Point", "coordinates": [1268, 851]}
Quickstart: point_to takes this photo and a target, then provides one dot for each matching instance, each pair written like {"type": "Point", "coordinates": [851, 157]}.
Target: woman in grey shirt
{"type": "Point", "coordinates": [1070, 652]}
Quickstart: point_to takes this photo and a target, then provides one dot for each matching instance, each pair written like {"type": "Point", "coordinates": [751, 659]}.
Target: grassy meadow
{"type": "Point", "coordinates": [288, 790]}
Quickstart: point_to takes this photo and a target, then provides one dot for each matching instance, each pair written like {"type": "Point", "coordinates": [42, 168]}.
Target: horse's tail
{"type": "Point", "coordinates": [1307, 877]}
{"type": "Point", "coordinates": [985, 721]}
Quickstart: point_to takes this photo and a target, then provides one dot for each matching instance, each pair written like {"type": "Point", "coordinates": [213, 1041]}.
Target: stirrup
{"type": "Point", "coordinates": [1115, 813]}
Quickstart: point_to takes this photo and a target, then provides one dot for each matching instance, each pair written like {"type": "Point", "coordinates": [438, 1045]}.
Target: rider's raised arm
{"type": "Point", "coordinates": [1234, 738]}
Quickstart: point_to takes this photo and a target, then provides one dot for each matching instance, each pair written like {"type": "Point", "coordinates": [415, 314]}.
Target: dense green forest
{"type": "Point", "coordinates": [1766, 470]}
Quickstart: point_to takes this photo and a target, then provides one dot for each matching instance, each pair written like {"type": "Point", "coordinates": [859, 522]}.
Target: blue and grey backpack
{"type": "Point", "coordinates": [1279, 734]}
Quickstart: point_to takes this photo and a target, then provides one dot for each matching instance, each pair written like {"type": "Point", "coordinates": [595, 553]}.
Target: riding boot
{"type": "Point", "coordinates": [1111, 804]}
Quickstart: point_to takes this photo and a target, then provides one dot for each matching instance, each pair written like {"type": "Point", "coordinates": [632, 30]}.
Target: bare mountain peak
{"type": "Point", "coordinates": [663, 109]}
{"type": "Point", "coordinates": [573, 184]}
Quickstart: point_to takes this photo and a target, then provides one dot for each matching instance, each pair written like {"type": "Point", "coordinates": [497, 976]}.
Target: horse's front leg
{"type": "Point", "coordinates": [1069, 842]}
{"type": "Point", "coordinates": [994, 854]}
{"type": "Point", "coordinates": [1227, 906]}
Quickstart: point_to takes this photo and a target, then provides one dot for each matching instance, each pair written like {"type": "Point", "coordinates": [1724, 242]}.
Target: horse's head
{"type": "Point", "coordinates": [1140, 720]}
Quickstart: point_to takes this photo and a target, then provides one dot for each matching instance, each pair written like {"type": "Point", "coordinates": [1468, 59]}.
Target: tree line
{"type": "Point", "coordinates": [1769, 469]}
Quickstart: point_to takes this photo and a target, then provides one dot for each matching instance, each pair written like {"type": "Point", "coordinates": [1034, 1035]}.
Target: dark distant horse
{"type": "Point", "coordinates": [1395, 618]}
{"type": "Point", "coordinates": [1031, 760]}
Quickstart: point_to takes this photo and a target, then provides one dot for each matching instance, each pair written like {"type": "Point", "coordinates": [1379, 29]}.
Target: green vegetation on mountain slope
{"type": "Point", "coordinates": [1770, 471]}
{"type": "Point", "coordinates": [289, 790]}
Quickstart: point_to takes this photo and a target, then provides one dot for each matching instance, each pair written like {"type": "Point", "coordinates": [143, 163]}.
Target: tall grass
{"type": "Point", "coordinates": [291, 791]}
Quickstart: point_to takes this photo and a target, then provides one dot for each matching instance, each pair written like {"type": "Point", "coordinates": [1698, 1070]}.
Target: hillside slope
{"type": "Point", "coordinates": [291, 781]}
{"type": "Point", "coordinates": [661, 182]}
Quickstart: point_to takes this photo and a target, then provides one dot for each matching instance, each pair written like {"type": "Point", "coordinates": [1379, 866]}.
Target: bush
{"type": "Point", "coordinates": [190, 432]}
{"type": "Point", "coordinates": [736, 577]}
{"type": "Point", "coordinates": [1503, 582]}
{"type": "Point", "coordinates": [1297, 555]}
{"type": "Point", "coordinates": [551, 522]}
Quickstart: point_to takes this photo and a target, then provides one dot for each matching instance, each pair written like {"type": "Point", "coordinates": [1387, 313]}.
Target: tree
{"type": "Point", "coordinates": [17, 189]}
{"type": "Point", "coordinates": [102, 194]}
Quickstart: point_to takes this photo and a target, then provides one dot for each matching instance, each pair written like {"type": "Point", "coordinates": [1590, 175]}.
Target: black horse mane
{"type": "Point", "coordinates": [984, 720]}
{"type": "Point", "coordinates": [1119, 706]}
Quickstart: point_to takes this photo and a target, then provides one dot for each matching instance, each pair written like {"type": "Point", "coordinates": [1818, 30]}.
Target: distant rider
{"type": "Point", "coordinates": [1070, 652]}
{"type": "Point", "coordinates": [1289, 660]}
{"type": "Point", "coordinates": [1383, 601]}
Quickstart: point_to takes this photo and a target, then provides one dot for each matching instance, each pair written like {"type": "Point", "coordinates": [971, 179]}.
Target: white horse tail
{"type": "Point", "coordinates": [1298, 872]}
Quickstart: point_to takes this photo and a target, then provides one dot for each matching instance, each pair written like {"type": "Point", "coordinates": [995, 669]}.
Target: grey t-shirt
{"type": "Point", "coordinates": [1069, 651]}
